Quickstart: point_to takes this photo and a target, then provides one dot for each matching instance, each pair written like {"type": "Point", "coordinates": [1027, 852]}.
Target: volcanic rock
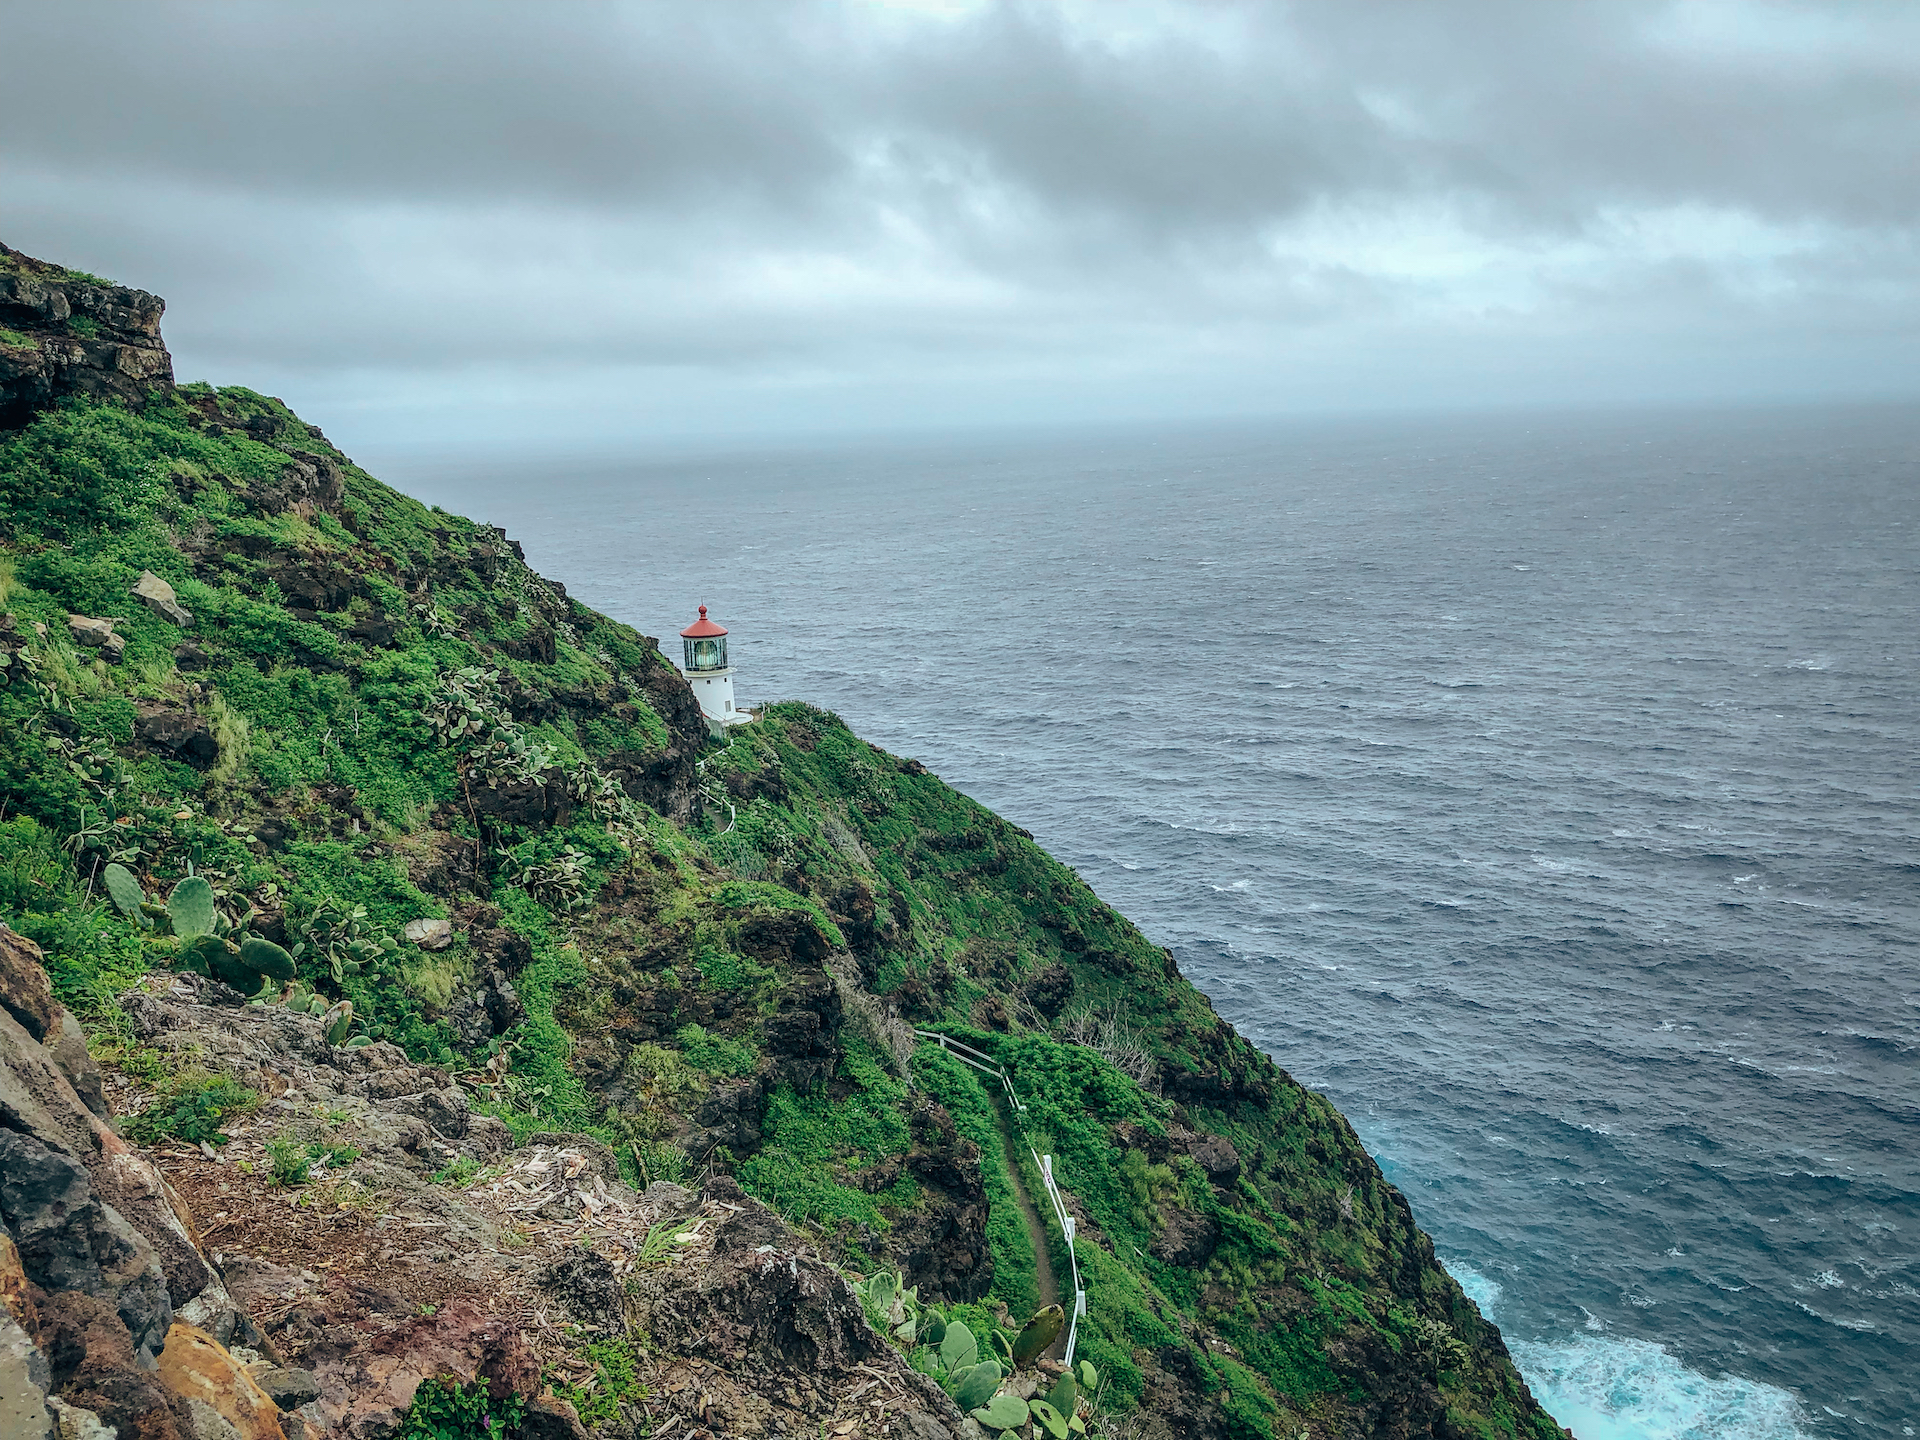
{"type": "Point", "coordinates": [158, 597]}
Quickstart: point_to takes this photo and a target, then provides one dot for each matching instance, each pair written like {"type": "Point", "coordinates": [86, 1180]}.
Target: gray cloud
{"type": "Point", "coordinates": [771, 214]}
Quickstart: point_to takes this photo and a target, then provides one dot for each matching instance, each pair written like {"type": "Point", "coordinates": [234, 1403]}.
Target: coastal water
{"type": "Point", "coordinates": [1542, 789]}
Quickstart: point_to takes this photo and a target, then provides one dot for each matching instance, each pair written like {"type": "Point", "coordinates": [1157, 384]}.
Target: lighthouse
{"type": "Point", "coordinates": [709, 674]}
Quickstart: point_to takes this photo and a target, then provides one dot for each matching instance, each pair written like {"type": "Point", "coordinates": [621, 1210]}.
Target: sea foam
{"type": "Point", "coordinates": [1608, 1389]}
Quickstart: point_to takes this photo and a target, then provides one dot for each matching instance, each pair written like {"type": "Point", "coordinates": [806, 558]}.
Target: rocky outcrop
{"type": "Point", "coordinates": [781, 1333]}
{"type": "Point", "coordinates": [115, 1319]}
{"type": "Point", "coordinates": [748, 1332]}
{"type": "Point", "coordinates": [97, 634]}
{"type": "Point", "coordinates": [97, 1254]}
{"type": "Point", "coordinates": [62, 333]}
{"type": "Point", "coordinates": [179, 734]}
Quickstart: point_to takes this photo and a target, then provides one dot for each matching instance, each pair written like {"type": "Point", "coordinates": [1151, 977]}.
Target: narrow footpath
{"type": "Point", "coordinates": [1044, 1281]}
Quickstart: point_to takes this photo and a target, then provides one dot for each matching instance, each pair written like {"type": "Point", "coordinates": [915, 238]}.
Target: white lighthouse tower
{"type": "Point", "coordinates": [709, 674]}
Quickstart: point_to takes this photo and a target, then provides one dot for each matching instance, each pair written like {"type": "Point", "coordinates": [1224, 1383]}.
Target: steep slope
{"type": "Point", "coordinates": [230, 652]}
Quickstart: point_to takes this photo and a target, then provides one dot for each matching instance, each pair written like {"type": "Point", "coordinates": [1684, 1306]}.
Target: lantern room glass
{"type": "Point", "coordinates": [707, 654]}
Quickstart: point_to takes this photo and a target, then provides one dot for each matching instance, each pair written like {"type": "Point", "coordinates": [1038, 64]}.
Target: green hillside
{"type": "Point", "coordinates": [710, 955]}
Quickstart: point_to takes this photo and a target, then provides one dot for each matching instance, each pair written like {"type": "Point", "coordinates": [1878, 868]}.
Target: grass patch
{"type": "Point", "coordinates": [192, 1106]}
{"type": "Point", "coordinates": [615, 1382]}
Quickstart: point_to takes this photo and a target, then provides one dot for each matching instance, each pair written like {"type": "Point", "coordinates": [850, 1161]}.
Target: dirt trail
{"type": "Point", "coordinates": [1049, 1287]}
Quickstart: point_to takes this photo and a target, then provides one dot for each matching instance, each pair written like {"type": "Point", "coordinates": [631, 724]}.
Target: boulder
{"type": "Point", "coordinates": [181, 733]}
{"type": "Point", "coordinates": [70, 1422]}
{"type": "Point", "coordinates": [93, 1218]}
{"type": "Point", "coordinates": [158, 597]}
{"type": "Point", "coordinates": [429, 934]}
{"type": "Point", "coordinates": [66, 1045]}
{"type": "Point", "coordinates": [86, 630]}
{"type": "Point", "coordinates": [1187, 1238]}
{"type": "Point", "coordinates": [1217, 1157]}
{"type": "Point", "coordinates": [206, 1423]}
{"type": "Point", "coordinates": [69, 1240]}
{"type": "Point", "coordinates": [288, 1388]}
{"type": "Point", "coordinates": [195, 1366]}
{"type": "Point", "coordinates": [376, 630]}
{"type": "Point", "coordinates": [484, 1007]}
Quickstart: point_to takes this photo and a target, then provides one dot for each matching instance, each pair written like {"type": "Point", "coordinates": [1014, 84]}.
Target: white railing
{"type": "Point", "coordinates": [987, 1065]}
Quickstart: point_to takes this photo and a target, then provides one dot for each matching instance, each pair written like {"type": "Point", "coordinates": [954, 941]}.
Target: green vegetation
{"type": "Point", "coordinates": [970, 1367]}
{"type": "Point", "coordinates": [613, 1385]}
{"type": "Point", "coordinates": [402, 721]}
{"type": "Point", "coordinates": [193, 1106]}
{"type": "Point", "coordinates": [818, 1144]}
{"type": "Point", "coordinates": [287, 1160]}
{"type": "Point", "coordinates": [442, 1410]}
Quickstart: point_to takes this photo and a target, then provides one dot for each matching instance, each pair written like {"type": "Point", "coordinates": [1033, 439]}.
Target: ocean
{"type": "Point", "coordinates": [1542, 788]}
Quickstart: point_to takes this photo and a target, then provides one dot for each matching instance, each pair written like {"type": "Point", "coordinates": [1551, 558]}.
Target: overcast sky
{"type": "Point", "coordinates": [574, 225]}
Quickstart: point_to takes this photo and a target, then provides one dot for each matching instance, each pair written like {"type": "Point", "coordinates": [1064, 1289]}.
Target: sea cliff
{"type": "Point", "coordinates": [607, 1091]}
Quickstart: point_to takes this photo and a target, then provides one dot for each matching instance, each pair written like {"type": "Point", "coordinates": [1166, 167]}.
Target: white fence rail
{"type": "Point", "coordinates": [987, 1065]}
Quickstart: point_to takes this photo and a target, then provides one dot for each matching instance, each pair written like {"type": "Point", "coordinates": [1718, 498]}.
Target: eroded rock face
{"type": "Point", "coordinates": [87, 1211]}
{"type": "Point", "coordinates": [308, 480]}
{"type": "Point", "coordinates": [775, 1319]}
{"type": "Point", "coordinates": [484, 1007]}
{"type": "Point", "coordinates": [96, 1253]}
{"type": "Point", "coordinates": [100, 341]}
{"type": "Point", "coordinates": [25, 993]}
{"type": "Point", "coordinates": [69, 1240]}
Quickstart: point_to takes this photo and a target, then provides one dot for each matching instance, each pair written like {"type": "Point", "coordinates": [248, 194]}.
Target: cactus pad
{"type": "Point", "coordinates": [267, 958]}
{"type": "Point", "coordinates": [190, 908]}
{"type": "Point", "coordinates": [127, 895]}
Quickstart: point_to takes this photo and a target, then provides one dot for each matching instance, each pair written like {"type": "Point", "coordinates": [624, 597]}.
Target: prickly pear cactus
{"type": "Point", "coordinates": [190, 908]}
{"type": "Point", "coordinates": [125, 891]}
{"type": "Point", "coordinates": [976, 1386]}
{"type": "Point", "coordinates": [230, 970]}
{"type": "Point", "coordinates": [204, 955]}
{"type": "Point", "coordinates": [266, 958]}
{"type": "Point", "coordinates": [1003, 1412]}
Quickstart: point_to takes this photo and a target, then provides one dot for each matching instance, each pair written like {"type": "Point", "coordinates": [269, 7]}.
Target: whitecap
{"type": "Point", "coordinates": [1603, 1388]}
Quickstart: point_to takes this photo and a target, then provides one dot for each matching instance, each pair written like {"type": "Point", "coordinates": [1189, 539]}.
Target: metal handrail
{"type": "Point", "coordinates": [986, 1064]}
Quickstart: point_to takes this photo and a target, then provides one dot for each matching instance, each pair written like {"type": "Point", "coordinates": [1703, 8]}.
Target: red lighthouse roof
{"type": "Point", "coordinates": [703, 628]}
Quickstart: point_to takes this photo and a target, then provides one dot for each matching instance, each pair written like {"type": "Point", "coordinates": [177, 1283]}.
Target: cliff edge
{"type": "Point", "coordinates": [512, 1058]}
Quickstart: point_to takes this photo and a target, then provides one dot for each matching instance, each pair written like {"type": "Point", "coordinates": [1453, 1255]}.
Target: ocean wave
{"type": "Point", "coordinates": [1607, 1389]}
{"type": "Point", "coordinates": [1603, 1388]}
